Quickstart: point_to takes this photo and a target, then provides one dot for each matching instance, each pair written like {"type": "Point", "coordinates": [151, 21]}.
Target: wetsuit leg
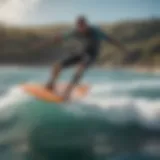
{"type": "Point", "coordinates": [85, 62]}
{"type": "Point", "coordinates": [69, 61]}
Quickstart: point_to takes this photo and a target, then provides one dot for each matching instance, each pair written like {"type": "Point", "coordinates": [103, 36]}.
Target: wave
{"type": "Point", "coordinates": [117, 109]}
{"type": "Point", "coordinates": [95, 123]}
{"type": "Point", "coordinates": [117, 116]}
{"type": "Point", "coordinates": [126, 85]}
{"type": "Point", "coordinates": [14, 95]}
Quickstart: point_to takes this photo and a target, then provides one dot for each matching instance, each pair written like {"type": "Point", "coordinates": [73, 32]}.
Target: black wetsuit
{"type": "Point", "coordinates": [90, 42]}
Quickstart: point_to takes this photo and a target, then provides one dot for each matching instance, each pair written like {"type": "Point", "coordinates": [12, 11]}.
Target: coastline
{"type": "Point", "coordinates": [16, 47]}
{"type": "Point", "coordinates": [134, 68]}
{"type": "Point", "coordinates": [143, 69]}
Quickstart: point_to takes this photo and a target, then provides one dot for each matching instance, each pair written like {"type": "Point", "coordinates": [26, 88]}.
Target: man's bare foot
{"type": "Point", "coordinates": [50, 86]}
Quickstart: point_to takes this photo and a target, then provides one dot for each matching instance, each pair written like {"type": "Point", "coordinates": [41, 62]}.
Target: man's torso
{"type": "Point", "coordinates": [89, 41]}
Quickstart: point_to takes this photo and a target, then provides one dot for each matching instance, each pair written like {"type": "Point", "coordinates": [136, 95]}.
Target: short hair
{"type": "Point", "coordinates": [81, 19]}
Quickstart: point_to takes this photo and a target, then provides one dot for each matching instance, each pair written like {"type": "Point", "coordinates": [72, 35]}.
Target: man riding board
{"type": "Point", "coordinates": [91, 38]}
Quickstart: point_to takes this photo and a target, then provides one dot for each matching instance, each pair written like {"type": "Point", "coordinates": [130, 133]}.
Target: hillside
{"type": "Point", "coordinates": [142, 37]}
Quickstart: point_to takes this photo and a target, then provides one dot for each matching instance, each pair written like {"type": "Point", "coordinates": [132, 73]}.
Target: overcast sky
{"type": "Point", "coordinates": [27, 12]}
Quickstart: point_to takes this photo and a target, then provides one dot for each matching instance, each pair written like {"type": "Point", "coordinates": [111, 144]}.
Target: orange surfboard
{"type": "Point", "coordinates": [39, 91]}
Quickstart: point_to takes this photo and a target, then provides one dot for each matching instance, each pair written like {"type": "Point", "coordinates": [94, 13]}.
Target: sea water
{"type": "Point", "coordinates": [118, 120]}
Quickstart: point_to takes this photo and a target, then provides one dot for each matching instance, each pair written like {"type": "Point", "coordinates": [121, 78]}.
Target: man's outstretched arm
{"type": "Point", "coordinates": [116, 43]}
{"type": "Point", "coordinates": [44, 43]}
{"type": "Point", "coordinates": [103, 36]}
{"type": "Point", "coordinates": [56, 39]}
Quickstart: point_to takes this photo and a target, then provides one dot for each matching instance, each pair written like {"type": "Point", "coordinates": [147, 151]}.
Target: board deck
{"type": "Point", "coordinates": [40, 92]}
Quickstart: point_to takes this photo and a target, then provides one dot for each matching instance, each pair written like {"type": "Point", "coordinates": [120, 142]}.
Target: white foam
{"type": "Point", "coordinates": [124, 108]}
{"type": "Point", "coordinates": [125, 86]}
{"type": "Point", "coordinates": [9, 101]}
{"type": "Point", "coordinates": [14, 95]}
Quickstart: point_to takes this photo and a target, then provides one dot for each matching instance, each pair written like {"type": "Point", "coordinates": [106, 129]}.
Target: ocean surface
{"type": "Point", "coordinates": [118, 120]}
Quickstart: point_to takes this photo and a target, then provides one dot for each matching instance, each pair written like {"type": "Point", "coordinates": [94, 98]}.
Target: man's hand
{"type": "Point", "coordinates": [132, 57]}
{"type": "Point", "coordinates": [117, 44]}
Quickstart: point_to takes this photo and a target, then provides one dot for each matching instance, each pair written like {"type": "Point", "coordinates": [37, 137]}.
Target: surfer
{"type": "Point", "coordinates": [90, 38]}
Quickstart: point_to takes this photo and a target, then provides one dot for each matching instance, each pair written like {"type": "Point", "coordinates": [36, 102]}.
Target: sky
{"type": "Point", "coordinates": [33, 12]}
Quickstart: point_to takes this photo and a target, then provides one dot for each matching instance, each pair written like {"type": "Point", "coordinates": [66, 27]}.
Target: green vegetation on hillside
{"type": "Point", "coordinates": [141, 37]}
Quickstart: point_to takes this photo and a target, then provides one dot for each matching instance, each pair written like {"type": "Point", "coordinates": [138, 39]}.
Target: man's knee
{"type": "Point", "coordinates": [82, 67]}
{"type": "Point", "coordinates": [57, 65]}
{"type": "Point", "coordinates": [56, 68]}
{"type": "Point", "coordinates": [87, 61]}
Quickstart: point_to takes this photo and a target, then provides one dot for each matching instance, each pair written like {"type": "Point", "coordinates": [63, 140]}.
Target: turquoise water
{"type": "Point", "coordinates": [118, 120]}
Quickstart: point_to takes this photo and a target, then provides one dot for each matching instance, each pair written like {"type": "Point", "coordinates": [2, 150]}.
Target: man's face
{"type": "Point", "coordinates": [82, 26]}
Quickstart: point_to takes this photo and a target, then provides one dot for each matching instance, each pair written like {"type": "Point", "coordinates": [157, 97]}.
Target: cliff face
{"type": "Point", "coordinates": [141, 37]}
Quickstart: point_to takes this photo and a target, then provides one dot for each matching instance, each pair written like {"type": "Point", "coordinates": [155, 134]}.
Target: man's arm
{"type": "Point", "coordinates": [56, 39]}
{"type": "Point", "coordinates": [116, 43]}
{"type": "Point", "coordinates": [106, 37]}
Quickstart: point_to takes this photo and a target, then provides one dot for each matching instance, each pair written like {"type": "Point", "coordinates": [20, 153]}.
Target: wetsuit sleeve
{"type": "Point", "coordinates": [101, 35]}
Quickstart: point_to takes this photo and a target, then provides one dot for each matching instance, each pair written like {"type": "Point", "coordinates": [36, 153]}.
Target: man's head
{"type": "Point", "coordinates": [81, 24]}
